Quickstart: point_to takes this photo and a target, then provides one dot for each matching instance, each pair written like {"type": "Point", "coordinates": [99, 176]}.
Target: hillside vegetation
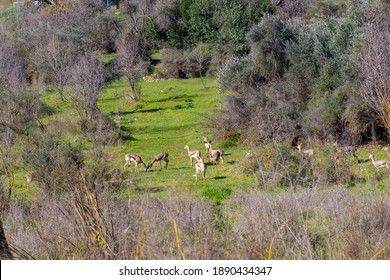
{"type": "Point", "coordinates": [82, 85]}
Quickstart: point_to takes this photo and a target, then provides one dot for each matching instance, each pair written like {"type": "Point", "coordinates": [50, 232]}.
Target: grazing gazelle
{"type": "Point", "coordinates": [29, 179]}
{"type": "Point", "coordinates": [213, 153]}
{"type": "Point", "coordinates": [379, 163]}
{"type": "Point", "coordinates": [129, 158]}
{"type": "Point", "coordinates": [158, 158]}
{"type": "Point", "coordinates": [346, 149]}
{"type": "Point", "coordinates": [308, 152]}
{"type": "Point", "coordinates": [192, 154]}
{"type": "Point", "coordinates": [200, 166]}
{"type": "Point", "coordinates": [206, 144]}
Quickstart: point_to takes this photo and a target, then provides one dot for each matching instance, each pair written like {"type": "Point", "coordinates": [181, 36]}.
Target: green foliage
{"type": "Point", "coordinates": [222, 23]}
{"type": "Point", "coordinates": [267, 42]}
{"type": "Point", "coordinates": [300, 72]}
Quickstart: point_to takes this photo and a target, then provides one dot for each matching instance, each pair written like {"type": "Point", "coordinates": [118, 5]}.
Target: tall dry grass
{"type": "Point", "coordinates": [306, 224]}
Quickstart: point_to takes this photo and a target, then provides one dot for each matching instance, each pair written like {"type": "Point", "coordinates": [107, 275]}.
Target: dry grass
{"type": "Point", "coordinates": [307, 224]}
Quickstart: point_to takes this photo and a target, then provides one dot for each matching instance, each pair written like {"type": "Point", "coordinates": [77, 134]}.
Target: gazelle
{"type": "Point", "coordinates": [158, 158]}
{"type": "Point", "coordinates": [29, 179]}
{"type": "Point", "coordinates": [379, 163]}
{"type": "Point", "coordinates": [129, 158]}
{"type": "Point", "coordinates": [200, 167]}
{"type": "Point", "coordinates": [346, 149]}
{"type": "Point", "coordinates": [192, 154]}
{"type": "Point", "coordinates": [308, 152]}
{"type": "Point", "coordinates": [213, 153]}
{"type": "Point", "coordinates": [206, 144]}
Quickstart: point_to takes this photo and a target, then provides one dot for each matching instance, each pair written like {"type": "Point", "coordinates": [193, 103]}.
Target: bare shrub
{"type": "Point", "coordinates": [102, 129]}
{"type": "Point", "coordinates": [280, 165]}
{"type": "Point", "coordinates": [375, 66]}
{"type": "Point", "coordinates": [171, 65]}
{"type": "Point", "coordinates": [88, 78]}
{"type": "Point", "coordinates": [56, 164]}
{"type": "Point", "coordinates": [333, 224]}
{"type": "Point", "coordinates": [131, 60]}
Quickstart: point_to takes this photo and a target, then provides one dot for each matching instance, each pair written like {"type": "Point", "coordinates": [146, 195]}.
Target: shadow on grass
{"type": "Point", "coordinates": [220, 178]}
{"type": "Point", "coordinates": [148, 189]}
{"type": "Point", "coordinates": [363, 160]}
{"type": "Point", "coordinates": [175, 97]}
{"type": "Point", "coordinates": [153, 110]}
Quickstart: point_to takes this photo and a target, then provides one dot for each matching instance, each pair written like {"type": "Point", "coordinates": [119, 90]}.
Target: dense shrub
{"type": "Point", "coordinates": [101, 129]}
{"type": "Point", "coordinates": [295, 82]}
{"type": "Point", "coordinates": [56, 164]}
{"type": "Point", "coordinates": [281, 165]}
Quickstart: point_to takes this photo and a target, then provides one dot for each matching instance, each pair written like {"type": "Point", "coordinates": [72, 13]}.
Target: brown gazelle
{"type": "Point", "coordinates": [379, 163]}
{"type": "Point", "coordinates": [308, 152]}
{"type": "Point", "coordinates": [158, 158]}
{"type": "Point", "coordinates": [195, 154]}
{"type": "Point", "coordinates": [206, 144]}
{"type": "Point", "coordinates": [129, 158]}
{"type": "Point", "coordinates": [29, 179]}
{"type": "Point", "coordinates": [346, 149]}
{"type": "Point", "coordinates": [200, 167]}
{"type": "Point", "coordinates": [213, 153]}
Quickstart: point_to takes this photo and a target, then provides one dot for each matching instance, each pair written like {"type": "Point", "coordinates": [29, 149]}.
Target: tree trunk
{"type": "Point", "coordinates": [5, 252]}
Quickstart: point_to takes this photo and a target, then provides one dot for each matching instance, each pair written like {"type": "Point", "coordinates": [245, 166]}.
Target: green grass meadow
{"type": "Point", "coordinates": [171, 114]}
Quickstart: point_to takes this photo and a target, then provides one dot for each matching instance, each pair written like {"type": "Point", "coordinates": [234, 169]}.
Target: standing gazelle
{"type": "Point", "coordinates": [200, 167]}
{"type": "Point", "coordinates": [206, 144]}
{"type": "Point", "coordinates": [214, 154]}
{"type": "Point", "coordinates": [129, 158]}
{"type": "Point", "coordinates": [158, 158]}
{"type": "Point", "coordinates": [379, 163]}
{"type": "Point", "coordinates": [192, 154]}
{"type": "Point", "coordinates": [29, 179]}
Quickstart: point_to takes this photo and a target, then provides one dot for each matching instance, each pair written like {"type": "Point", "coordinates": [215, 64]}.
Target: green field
{"type": "Point", "coordinates": [171, 114]}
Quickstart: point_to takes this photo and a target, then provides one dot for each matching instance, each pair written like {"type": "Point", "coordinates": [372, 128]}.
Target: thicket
{"type": "Point", "coordinates": [303, 78]}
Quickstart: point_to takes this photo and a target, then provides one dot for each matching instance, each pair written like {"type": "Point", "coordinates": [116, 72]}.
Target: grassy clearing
{"type": "Point", "coordinates": [170, 115]}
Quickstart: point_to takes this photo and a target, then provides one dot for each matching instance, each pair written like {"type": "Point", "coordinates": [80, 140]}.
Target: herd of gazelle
{"type": "Point", "coordinates": [216, 155]}
{"type": "Point", "coordinates": [351, 150]}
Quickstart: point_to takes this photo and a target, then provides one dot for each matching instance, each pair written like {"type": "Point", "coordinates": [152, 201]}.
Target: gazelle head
{"type": "Point", "coordinates": [371, 156]}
